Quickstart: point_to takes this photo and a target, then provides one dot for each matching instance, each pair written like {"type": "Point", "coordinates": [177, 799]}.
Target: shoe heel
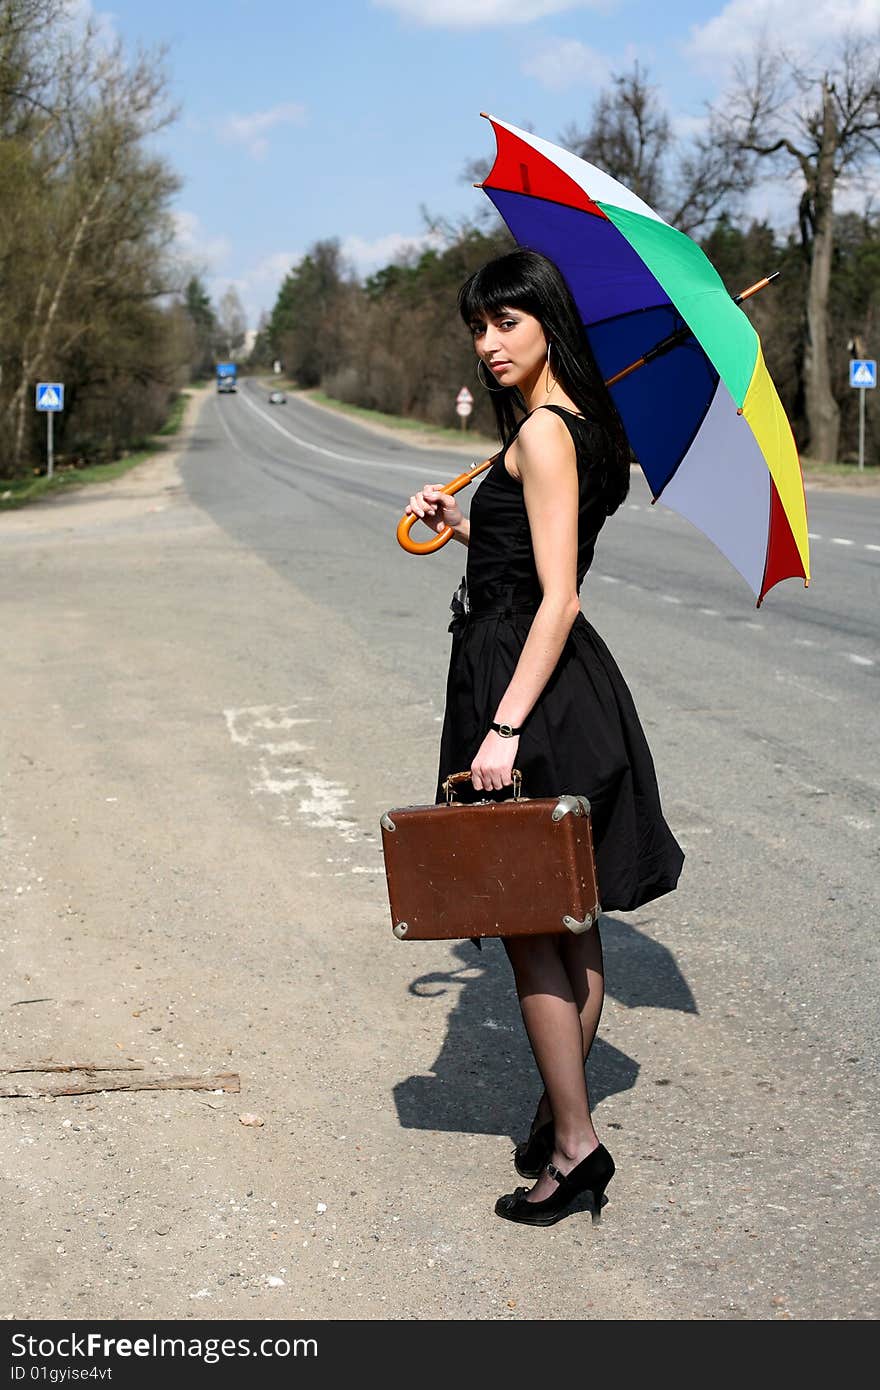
{"type": "Point", "coordinates": [598, 1196]}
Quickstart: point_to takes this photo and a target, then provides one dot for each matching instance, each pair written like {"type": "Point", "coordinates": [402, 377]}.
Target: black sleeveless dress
{"type": "Point", "coordinates": [583, 734]}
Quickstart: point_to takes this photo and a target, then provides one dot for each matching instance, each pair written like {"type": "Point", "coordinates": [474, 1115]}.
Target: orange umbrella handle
{"type": "Point", "coordinates": [406, 523]}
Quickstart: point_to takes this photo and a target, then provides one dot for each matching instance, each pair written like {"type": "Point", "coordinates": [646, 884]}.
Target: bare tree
{"type": "Point", "coordinates": [821, 125]}
{"type": "Point", "coordinates": [84, 227]}
{"type": "Point", "coordinates": [232, 323]}
{"type": "Point", "coordinates": [628, 135]}
{"type": "Point", "coordinates": [691, 182]}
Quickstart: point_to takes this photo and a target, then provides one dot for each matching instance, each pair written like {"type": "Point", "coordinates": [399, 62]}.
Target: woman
{"type": "Point", "coordinates": [532, 685]}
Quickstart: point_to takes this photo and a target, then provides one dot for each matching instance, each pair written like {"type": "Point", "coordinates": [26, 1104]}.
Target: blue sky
{"type": "Point", "coordinates": [344, 118]}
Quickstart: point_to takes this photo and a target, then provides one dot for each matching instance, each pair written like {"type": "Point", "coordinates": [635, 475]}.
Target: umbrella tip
{"type": "Point", "coordinates": [485, 115]}
{"type": "Point", "coordinates": [476, 185]}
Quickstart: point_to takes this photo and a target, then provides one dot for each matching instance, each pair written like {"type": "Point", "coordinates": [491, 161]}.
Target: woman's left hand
{"type": "Point", "coordinates": [491, 769]}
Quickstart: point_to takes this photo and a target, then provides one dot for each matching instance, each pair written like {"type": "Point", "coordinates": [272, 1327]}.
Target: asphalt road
{"type": "Point", "coordinates": [217, 679]}
{"type": "Point", "coordinates": [779, 702]}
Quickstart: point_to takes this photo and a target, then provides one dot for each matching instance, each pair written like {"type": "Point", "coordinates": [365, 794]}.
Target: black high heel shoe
{"type": "Point", "coordinates": [592, 1174]}
{"type": "Point", "coordinates": [532, 1156]}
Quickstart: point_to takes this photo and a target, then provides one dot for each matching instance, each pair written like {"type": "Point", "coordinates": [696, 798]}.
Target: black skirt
{"type": "Point", "coordinates": [583, 736]}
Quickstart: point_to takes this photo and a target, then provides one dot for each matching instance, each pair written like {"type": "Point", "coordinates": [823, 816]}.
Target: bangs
{"type": "Point", "coordinates": [498, 285]}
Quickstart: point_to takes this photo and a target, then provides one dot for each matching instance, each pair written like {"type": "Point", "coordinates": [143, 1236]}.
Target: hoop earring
{"type": "Point", "coordinates": [484, 383]}
{"type": "Point", "coordinates": [547, 387]}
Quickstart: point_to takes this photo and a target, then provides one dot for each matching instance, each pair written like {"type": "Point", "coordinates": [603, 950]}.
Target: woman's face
{"type": "Point", "coordinates": [512, 344]}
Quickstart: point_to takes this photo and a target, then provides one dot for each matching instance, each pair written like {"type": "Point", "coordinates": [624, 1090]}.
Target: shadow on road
{"type": "Point", "coordinates": [484, 1079]}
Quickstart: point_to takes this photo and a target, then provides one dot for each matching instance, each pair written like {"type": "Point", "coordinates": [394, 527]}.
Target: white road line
{"type": "Point", "coordinates": [227, 431]}
{"type": "Point", "coordinates": [757, 627]}
{"type": "Point", "coordinates": [710, 612]}
{"type": "Point", "coordinates": [329, 453]}
{"type": "Point", "coordinates": [858, 660]}
{"type": "Point", "coordinates": [804, 642]}
{"type": "Point", "coordinates": [872, 547]}
{"type": "Point", "coordinates": [670, 598]}
{"type": "Point", "coordinates": [608, 578]}
{"type": "Point", "coordinates": [634, 506]}
{"type": "Point", "coordinates": [788, 679]}
{"type": "Point", "coordinates": [841, 540]}
{"type": "Point", "coordinates": [813, 536]}
{"type": "Point", "coordinates": [276, 458]}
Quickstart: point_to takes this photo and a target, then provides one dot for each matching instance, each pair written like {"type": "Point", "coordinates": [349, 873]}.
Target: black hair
{"type": "Point", "coordinates": [524, 279]}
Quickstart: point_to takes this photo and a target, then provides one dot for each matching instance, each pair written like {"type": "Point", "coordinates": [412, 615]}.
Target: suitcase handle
{"type": "Point", "coordinates": [455, 777]}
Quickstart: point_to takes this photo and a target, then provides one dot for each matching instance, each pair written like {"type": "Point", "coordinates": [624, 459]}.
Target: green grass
{"type": "Point", "coordinates": [838, 472]}
{"type": "Point", "coordinates": [394, 422]}
{"type": "Point", "coordinates": [18, 492]}
{"type": "Point", "coordinates": [175, 414]}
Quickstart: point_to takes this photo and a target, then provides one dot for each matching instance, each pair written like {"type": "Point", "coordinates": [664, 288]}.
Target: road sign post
{"type": "Point", "coordinates": [862, 376]}
{"type": "Point", "coordinates": [464, 404]}
{"type": "Point", "coordinates": [49, 399]}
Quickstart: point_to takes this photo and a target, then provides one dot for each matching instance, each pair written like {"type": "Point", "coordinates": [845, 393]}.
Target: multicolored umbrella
{"type": "Point", "coordinates": [703, 417]}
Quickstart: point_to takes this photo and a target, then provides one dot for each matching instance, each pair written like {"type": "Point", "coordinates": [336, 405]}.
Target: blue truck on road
{"type": "Point", "coordinates": [227, 374]}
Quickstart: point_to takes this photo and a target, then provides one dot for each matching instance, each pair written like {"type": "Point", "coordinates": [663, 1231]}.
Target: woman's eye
{"type": "Point", "coordinates": [478, 329]}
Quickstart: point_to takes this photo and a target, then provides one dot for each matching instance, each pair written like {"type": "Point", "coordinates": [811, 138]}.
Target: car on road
{"type": "Point", "coordinates": [277, 398]}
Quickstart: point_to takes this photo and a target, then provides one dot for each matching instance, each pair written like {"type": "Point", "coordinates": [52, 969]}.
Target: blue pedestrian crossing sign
{"type": "Point", "coordinates": [50, 395]}
{"type": "Point", "coordinates": [863, 372]}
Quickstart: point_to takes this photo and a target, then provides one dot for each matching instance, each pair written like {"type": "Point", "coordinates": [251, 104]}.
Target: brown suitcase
{"type": "Point", "coordinates": [490, 868]}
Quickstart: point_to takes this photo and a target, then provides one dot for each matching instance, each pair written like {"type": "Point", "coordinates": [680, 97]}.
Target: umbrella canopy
{"type": "Point", "coordinates": [703, 419]}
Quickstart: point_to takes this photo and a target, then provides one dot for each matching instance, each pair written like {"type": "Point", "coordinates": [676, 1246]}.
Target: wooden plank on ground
{"type": "Point", "coordinates": [217, 1081]}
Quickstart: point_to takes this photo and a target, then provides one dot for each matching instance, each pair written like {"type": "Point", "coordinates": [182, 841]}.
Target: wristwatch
{"type": "Point", "coordinates": [506, 730]}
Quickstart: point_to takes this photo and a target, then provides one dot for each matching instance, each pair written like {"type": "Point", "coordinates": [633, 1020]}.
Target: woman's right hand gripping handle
{"type": "Point", "coordinates": [435, 507]}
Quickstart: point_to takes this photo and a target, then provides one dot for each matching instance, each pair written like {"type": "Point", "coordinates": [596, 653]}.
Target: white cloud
{"type": "Point", "coordinates": [367, 256]}
{"type": "Point", "coordinates": [251, 131]}
{"type": "Point", "coordinates": [688, 127]}
{"type": "Point", "coordinates": [796, 25]}
{"type": "Point", "coordinates": [195, 245]}
{"type": "Point", "coordinates": [484, 14]}
{"type": "Point", "coordinates": [272, 269]}
{"type": "Point", "coordinates": [562, 63]}
{"type": "Point", "coordinates": [258, 285]}
{"type": "Point", "coordinates": [81, 13]}
{"type": "Point", "coordinates": [858, 192]}
{"type": "Point", "coordinates": [774, 198]}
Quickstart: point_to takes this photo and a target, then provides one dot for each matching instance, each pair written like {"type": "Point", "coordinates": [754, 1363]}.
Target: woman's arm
{"type": "Point", "coordinates": [463, 532]}
{"type": "Point", "coordinates": [545, 458]}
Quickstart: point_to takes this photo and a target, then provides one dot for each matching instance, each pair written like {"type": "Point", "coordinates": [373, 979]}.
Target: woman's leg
{"type": "Point", "coordinates": [552, 1018]}
{"type": "Point", "coordinates": [582, 958]}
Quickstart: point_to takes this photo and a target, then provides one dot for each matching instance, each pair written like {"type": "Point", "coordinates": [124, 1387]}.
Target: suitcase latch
{"type": "Point", "coordinates": [578, 927]}
{"type": "Point", "coordinates": [579, 805]}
